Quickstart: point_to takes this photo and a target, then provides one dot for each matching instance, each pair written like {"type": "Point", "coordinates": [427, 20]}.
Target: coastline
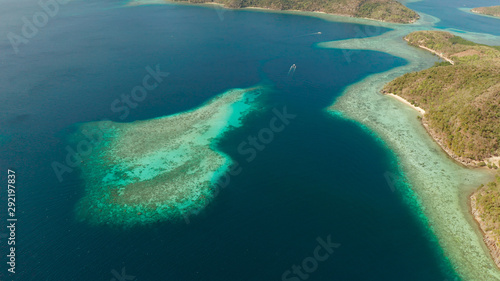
{"type": "Point", "coordinates": [434, 52]}
{"type": "Point", "coordinates": [431, 133]}
{"type": "Point", "coordinates": [469, 11]}
{"type": "Point", "coordinates": [439, 141]}
{"type": "Point", "coordinates": [454, 227]}
{"type": "Point", "coordinates": [441, 186]}
{"type": "Point", "coordinates": [463, 161]}
{"type": "Point", "coordinates": [222, 6]}
{"type": "Point", "coordinates": [488, 236]}
{"type": "Point", "coordinates": [318, 13]}
{"type": "Point", "coordinates": [420, 110]}
{"type": "Point", "coordinates": [478, 12]}
{"type": "Point", "coordinates": [473, 163]}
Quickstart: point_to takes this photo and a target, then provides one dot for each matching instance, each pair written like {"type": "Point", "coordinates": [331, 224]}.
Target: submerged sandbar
{"type": "Point", "coordinates": [160, 169]}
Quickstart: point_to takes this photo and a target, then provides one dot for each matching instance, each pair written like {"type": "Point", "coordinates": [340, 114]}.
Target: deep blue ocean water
{"type": "Point", "coordinates": [451, 17]}
{"type": "Point", "coordinates": [322, 176]}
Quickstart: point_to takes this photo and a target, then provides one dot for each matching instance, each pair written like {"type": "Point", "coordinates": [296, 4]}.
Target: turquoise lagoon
{"type": "Point", "coordinates": [353, 165]}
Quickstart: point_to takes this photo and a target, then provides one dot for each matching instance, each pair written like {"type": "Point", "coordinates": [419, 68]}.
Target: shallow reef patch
{"type": "Point", "coordinates": [159, 169]}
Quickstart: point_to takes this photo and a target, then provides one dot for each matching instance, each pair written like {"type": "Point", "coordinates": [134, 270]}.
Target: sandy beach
{"type": "Point", "coordinates": [420, 110]}
{"type": "Point", "coordinates": [440, 184]}
{"type": "Point", "coordinates": [434, 52]}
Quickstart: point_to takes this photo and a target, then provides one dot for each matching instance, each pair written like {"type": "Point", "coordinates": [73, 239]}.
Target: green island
{"type": "Point", "coordinates": [461, 96]}
{"type": "Point", "coordinates": [461, 99]}
{"type": "Point", "coordinates": [485, 205]}
{"type": "Point", "coordinates": [174, 158]}
{"type": "Point", "coordinates": [383, 10]}
{"type": "Point", "coordinates": [489, 11]}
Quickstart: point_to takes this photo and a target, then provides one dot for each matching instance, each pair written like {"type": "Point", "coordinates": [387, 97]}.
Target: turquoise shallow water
{"type": "Point", "coordinates": [452, 16]}
{"type": "Point", "coordinates": [439, 185]}
{"type": "Point", "coordinates": [323, 176]}
{"type": "Point", "coordinates": [171, 175]}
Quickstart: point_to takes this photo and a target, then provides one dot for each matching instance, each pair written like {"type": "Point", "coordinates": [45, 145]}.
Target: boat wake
{"type": "Point", "coordinates": [292, 70]}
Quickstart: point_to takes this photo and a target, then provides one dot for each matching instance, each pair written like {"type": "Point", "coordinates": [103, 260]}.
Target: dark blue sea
{"type": "Point", "coordinates": [321, 179]}
{"type": "Point", "coordinates": [451, 17]}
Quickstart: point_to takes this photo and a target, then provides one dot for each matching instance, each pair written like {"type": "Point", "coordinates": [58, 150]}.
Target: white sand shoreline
{"type": "Point", "coordinates": [440, 184]}
{"type": "Point", "coordinates": [434, 52]}
{"type": "Point", "coordinates": [222, 6]}
{"type": "Point", "coordinates": [420, 110]}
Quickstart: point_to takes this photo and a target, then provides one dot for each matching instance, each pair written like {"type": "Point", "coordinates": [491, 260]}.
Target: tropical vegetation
{"type": "Point", "coordinates": [490, 11]}
{"type": "Point", "coordinates": [461, 100]}
{"type": "Point", "coordinates": [384, 10]}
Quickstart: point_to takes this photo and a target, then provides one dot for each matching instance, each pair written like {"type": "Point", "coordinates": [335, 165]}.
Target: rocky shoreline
{"type": "Point", "coordinates": [488, 236]}
{"type": "Point", "coordinates": [462, 160]}
{"type": "Point", "coordinates": [493, 11]}
{"type": "Point", "coordinates": [380, 10]}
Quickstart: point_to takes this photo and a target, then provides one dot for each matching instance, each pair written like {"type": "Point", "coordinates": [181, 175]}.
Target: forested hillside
{"type": "Point", "coordinates": [490, 11]}
{"type": "Point", "coordinates": [384, 10]}
{"type": "Point", "coordinates": [462, 101]}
